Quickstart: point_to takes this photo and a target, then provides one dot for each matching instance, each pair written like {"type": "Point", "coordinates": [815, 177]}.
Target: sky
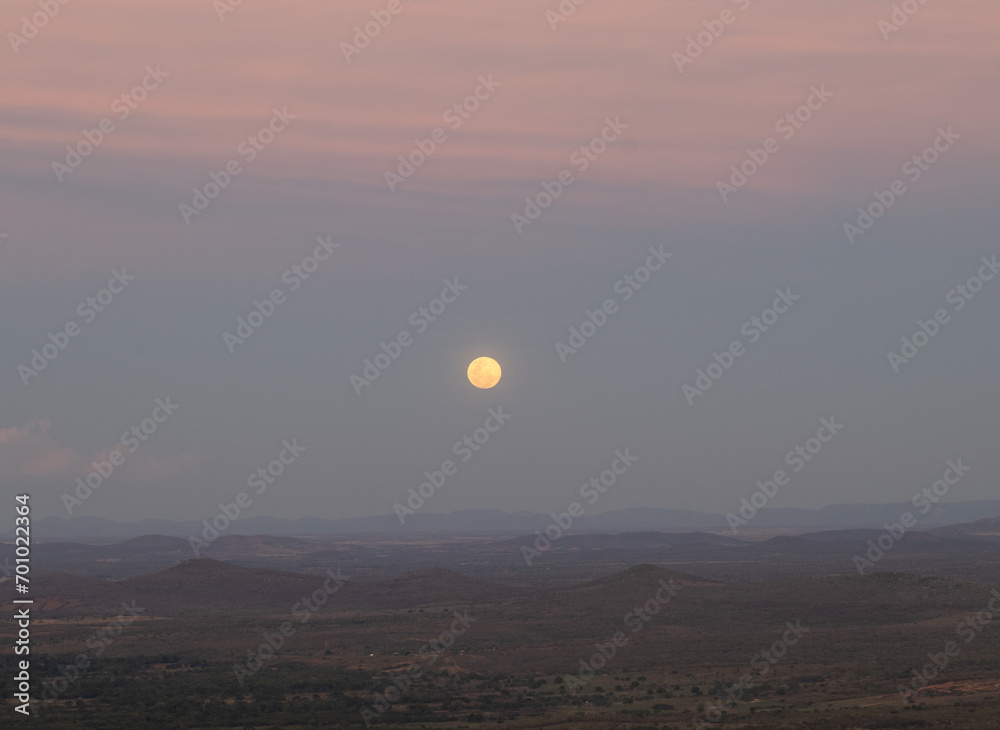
{"type": "Point", "coordinates": [505, 166]}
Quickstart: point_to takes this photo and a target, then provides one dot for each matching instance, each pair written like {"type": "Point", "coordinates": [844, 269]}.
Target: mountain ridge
{"type": "Point", "coordinates": [498, 522]}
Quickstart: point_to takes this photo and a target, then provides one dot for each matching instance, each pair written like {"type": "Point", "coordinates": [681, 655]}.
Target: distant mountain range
{"type": "Point", "coordinates": [497, 522]}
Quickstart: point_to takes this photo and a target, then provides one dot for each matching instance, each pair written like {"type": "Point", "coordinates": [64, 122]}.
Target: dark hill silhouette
{"type": "Point", "coordinates": [196, 583]}
{"type": "Point", "coordinates": [68, 583]}
{"type": "Point", "coordinates": [879, 599]}
{"type": "Point", "coordinates": [786, 543]}
{"type": "Point", "coordinates": [148, 543]}
{"type": "Point", "coordinates": [915, 541]}
{"type": "Point", "coordinates": [205, 583]}
{"type": "Point", "coordinates": [987, 529]}
{"type": "Point", "coordinates": [831, 601]}
{"type": "Point", "coordinates": [852, 535]}
{"type": "Point", "coordinates": [429, 586]}
{"type": "Point", "coordinates": [238, 545]}
{"type": "Point", "coordinates": [148, 553]}
{"type": "Point", "coordinates": [647, 573]}
{"type": "Point", "coordinates": [630, 541]}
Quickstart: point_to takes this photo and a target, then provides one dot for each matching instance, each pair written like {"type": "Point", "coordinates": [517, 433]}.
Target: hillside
{"type": "Point", "coordinates": [207, 584]}
{"type": "Point", "coordinates": [844, 600]}
{"type": "Point", "coordinates": [987, 529]}
{"type": "Point", "coordinates": [630, 541]}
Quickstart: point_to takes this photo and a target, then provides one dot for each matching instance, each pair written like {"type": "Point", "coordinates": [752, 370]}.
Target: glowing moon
{"type": "Point", "coordinates": [484, 372]}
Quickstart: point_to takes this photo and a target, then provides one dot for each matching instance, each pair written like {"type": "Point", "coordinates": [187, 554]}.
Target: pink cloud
{"type": "Point", "coordinates": [31, 452]}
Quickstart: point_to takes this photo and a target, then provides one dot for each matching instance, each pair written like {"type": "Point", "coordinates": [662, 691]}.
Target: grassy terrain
{"type": "Point", "coordinates": [173, 667]}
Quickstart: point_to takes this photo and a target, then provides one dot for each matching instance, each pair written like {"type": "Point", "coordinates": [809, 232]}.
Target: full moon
{"type": "Point", "coordinates": [484, 372]}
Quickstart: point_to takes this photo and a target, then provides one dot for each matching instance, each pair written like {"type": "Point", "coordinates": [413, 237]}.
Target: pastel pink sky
{"type": "Point", "coordinates": [609, 58]}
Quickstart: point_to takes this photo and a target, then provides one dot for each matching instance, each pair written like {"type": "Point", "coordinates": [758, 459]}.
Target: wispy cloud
{"type": "Point", "coordinates": [31, 452]}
